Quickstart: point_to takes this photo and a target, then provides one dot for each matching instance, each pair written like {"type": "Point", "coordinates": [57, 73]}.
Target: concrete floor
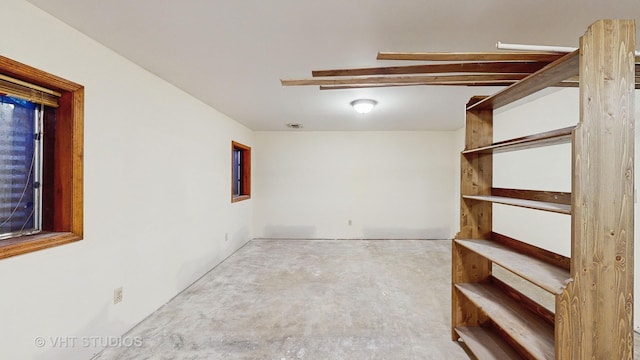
{"type": "Point", "coordinates": [303, 299]}
{"type": "Point", "coordinates": [306, 299]}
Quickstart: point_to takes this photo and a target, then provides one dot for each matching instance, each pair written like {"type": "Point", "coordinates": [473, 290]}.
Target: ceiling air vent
{"type": "Point", "coordinates": [294, 126]}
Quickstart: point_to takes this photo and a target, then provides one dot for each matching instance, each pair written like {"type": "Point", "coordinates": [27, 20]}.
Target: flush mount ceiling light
{"type": "Point", "coordinates": [363, 106]}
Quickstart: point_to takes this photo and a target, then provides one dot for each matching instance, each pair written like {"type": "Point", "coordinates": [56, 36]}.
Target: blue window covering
{"type": "Point", "coordinates": [17, 167]}
{"type": "Point", "coordinates": [237, 159]}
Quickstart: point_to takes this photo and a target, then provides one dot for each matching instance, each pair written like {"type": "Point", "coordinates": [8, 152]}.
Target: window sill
{"type": "Point", "coordinates": [30, 243]}
{"type": "Point", "coordinates": [240, 198]}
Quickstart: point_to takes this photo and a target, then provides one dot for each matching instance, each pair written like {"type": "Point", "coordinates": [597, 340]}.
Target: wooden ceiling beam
{"type": "Point", "coordinates": [566, 83]}
{"type": "Point", "coordinates": [496, 73]}
{"type": "Point", "coordinates": [422, 80]}
{"type": "Point", "coordinates": [361, 86]}
{"type": "Point", "coordinates": [455, 83]}
{"type": "Point", "coordinates": [495, 67]}
{"type": "Point", "coordinates": [471, 56]}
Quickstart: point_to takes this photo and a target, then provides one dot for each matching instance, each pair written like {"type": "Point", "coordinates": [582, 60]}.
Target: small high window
{"type": "Point", "coordinates": [41, 170]}
{"type": "Point", "coordinates": [240, 172]}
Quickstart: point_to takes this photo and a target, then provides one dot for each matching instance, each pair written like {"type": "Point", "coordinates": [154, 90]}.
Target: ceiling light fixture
{"type": "Point", "coordinates": [363, 106]}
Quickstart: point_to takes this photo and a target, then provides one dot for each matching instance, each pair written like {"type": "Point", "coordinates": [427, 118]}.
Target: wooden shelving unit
{"type": "Point", "coordinates": [594, 287]}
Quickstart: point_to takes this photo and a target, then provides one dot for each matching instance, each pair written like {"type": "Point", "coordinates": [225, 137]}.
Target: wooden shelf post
{"type": "Point", "coordinates": [595, 313]}
{"type": "Point", "coordinates": [475, 217]}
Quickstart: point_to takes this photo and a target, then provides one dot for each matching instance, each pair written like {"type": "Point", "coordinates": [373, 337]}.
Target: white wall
{"type": "Point", "coordinates": [458, 139]}
{"type": "Point", "coordinates": [544, 169]}
{"type": "Point", "coordinates": [157, 197]}
{"type": "Point", "coordinates": [389, 184]}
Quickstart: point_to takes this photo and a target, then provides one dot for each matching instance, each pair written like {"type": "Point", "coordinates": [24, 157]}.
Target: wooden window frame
{"type": "Point", "coordinates": [64, 223]}
{"type": "Point", "coordinates": [245, 172]}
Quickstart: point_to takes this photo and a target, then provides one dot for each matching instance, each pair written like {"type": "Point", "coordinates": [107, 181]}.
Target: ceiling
{"type": "Point", "coordinates": [232, 54]}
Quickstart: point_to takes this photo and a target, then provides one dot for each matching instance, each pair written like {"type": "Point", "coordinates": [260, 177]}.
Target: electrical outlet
{"type": "Point", "coordinates": [350, 222]}
{"type": "Point", "coordinates": [117, 295]}
{"type": "Point", "coordinates": [226, 236]}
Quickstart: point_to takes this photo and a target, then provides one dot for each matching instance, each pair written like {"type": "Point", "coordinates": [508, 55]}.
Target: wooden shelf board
{"type": "Point", "coordinates": [550, 75]}
{"type": "Point", "coordinates": [560, 136]}
{"type": "Point", "coordinates": [555, 197]}
{"type": "Point", "coordinates": [485, 344]}
{"type": "Point", "coordinates": [535, 335]}
{"type": "Point", "coordinates": [529, 204]}
{"type": "Point", "coordinates": [549, 277]}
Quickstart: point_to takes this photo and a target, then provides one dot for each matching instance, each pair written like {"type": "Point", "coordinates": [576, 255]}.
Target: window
{"type": "Point", "coordinates": [20, 171]}
{"type": "Point", "coordinates": [41, 170]}
{"type": "Point", "coordinates": [240, 172]}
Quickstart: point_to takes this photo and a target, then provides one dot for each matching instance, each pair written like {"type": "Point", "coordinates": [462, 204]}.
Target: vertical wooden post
{"type": "Point", "coordinates": [594, 316]}
{"type": "Point", "coordinates": [476, 173]}
{"type": "Point", "coordinates": [475, 216]}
